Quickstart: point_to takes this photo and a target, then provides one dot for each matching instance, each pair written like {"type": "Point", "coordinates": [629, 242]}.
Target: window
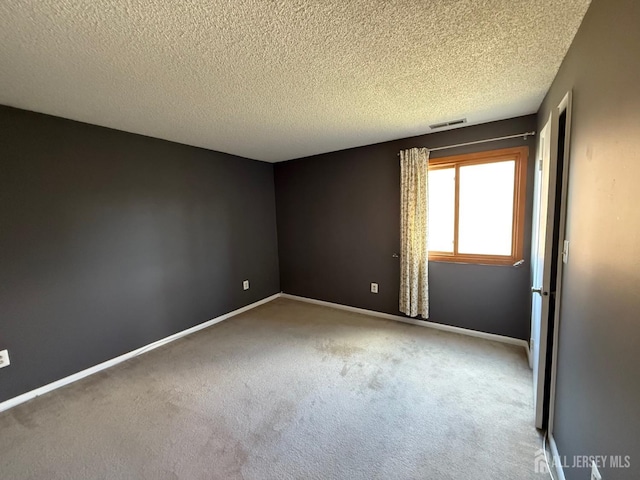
{"type": "Point", "coordinates": [476, 207]}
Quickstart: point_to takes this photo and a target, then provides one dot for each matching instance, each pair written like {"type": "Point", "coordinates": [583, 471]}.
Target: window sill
{"type": "Point", "coordinates": [475, 260]}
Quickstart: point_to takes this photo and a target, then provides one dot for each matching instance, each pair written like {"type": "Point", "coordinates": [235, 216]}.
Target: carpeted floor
{"type": "Point", "coordinates": [288, 391]}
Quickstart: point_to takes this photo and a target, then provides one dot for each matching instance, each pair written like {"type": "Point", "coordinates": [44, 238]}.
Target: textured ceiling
{"type": "Point", "coordinates": [280, 79]}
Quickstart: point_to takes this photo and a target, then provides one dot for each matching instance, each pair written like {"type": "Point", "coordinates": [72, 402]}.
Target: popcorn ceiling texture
{"type": "Point", "coordinates": [275, 80]}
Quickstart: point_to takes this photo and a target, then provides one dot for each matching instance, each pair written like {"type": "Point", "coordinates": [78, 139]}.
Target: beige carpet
{"type": "Point", "coordinates": [288, 391]}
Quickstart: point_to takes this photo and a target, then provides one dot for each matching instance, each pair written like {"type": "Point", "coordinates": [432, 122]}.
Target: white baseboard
{"type": "Point", "coordinates": [557, 460]}
{"type": "Point", "coordinates": [422, 323]}
{"type": "Point", "coordinates": [12, 402]}
{"type": "Point", "coordinates": [529, 355]}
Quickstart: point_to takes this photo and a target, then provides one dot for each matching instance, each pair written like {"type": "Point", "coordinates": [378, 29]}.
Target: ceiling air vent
{"type": "Point", "coordinates": [435, 126]}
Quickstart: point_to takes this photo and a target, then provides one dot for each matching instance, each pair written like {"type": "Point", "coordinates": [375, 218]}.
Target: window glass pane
{"type": "Point", "coordinates": [442, 191]}
{"type": "Point", "coordinates": [486, 208]}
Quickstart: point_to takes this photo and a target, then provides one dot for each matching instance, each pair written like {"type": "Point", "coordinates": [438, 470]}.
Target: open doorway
{"type": "Point", "coordinates": [549, 251]}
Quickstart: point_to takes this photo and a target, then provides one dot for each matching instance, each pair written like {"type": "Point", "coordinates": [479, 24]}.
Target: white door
{"type": "Point", "coordinates": [541, 246]}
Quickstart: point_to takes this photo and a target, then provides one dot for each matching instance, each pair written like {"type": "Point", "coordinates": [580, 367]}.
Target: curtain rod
{"type": "Point", "coordinates": [524, 135]}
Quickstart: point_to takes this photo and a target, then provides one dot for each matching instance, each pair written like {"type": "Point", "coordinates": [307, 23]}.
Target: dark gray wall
{"type": "Point", "coordinates": [598, 385]}
{"type": "Point", "coordinates": [339, 224]}
{"type": "Point", "coordinates": [110, 241]}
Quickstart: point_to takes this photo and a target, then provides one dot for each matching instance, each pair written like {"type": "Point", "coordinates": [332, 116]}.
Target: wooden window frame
{"type": "Point", "coordinates": [520, 155]}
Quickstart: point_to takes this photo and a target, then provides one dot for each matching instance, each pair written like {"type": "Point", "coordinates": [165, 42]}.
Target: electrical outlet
{"type": "Point", "coordinates": [595, 473]}
{"type": "Point", "coordinates": [245, 285]}
{"type": "Point", "coordinates": [374, 288]}
{"type": "Point", "coordinates": [4, 359]}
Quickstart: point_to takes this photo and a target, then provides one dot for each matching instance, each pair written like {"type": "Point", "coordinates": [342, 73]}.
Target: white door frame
{"type": "Point", "coordinates": [552, 152]}
{"type": "Point", "coordinates": [564, 106]}
{"type": "Point", "coordinates": [546, 207]}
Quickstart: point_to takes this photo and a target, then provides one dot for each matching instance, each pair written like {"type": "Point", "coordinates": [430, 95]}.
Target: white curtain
{"type": "Point", "coordinates": [414, 255]}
